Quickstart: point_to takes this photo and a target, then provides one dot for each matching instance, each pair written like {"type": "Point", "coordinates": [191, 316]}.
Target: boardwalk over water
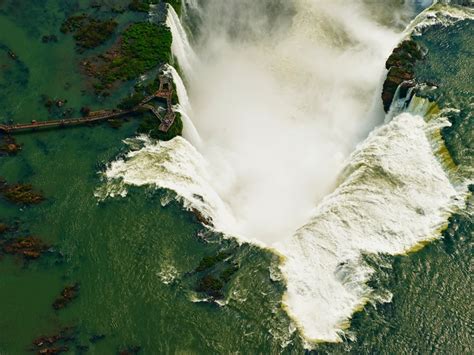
{"type": "Point", "coordinates": [165, 92]}
{"type": "Point", "coordinates": [93, 117]}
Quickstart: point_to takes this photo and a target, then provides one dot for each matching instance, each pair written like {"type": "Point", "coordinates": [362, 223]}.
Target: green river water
{"type": "Point", "coordinates": [133, 258]}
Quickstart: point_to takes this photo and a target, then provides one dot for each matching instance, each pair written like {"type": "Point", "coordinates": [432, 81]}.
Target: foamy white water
{"type": "Point", "coordinates": [263, 109]}
{"type": "Point", "coordinates": [181, 48]}
{"type": "Point", "coordinates": [184, 108]}
{"type": "Point", "coordinates": [278, 111]}
{"type": "Point", "coordinates": [395, 195]}
{"type": "Point", "coordinates": [175, 165]}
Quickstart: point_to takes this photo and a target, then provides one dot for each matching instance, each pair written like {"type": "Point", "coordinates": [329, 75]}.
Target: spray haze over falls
{"type": "Point", "coordinates": [280, 94]}
{"type": "Point", "coordinates": [266, 97]}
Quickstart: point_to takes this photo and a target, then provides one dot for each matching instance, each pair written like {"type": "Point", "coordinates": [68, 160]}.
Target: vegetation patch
{"type": "Point", "coordinates": [142, 47]}
{"type": "Point", "coordinates": [176, 4]}
{"type": "Point", "coordinates": [141, 5]}
{"type": "Point", "coordinates": [149, 125]}
{"type": "Point", "coordinates": [87, 31]}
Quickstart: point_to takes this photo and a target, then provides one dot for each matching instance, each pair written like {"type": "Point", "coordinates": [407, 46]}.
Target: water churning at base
{"type": "Point", "coordinates": [280, 93]}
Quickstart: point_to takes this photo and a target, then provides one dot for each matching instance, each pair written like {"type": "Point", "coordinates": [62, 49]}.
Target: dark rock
{"type": "Point", "coordinates": [201, 218]}
{"type": "Point", "coordinates": [85, 111]}
{"type": "Point", "coordinates": [400, 71]}
{"type": "Point", "coordinates": [12, 55]}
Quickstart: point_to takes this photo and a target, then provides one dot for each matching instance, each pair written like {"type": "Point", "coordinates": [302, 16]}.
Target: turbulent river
{"type": "Point", "coordinates": [286, 145]}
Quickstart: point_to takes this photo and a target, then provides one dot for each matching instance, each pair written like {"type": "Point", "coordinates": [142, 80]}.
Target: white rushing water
{"type": "Point", "coordinates": [394, 196]}
{"type": "Point", "coordinates": [180, 46]}
{"type": "Point", "coordinates": [276, 105]}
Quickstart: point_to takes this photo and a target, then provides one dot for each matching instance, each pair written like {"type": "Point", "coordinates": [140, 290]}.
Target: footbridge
{"type": "Point", "coordinates": [165, 91]}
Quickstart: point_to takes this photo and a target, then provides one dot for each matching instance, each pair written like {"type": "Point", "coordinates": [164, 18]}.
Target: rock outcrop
{"type": "Point", "coordinates": [400, 71]}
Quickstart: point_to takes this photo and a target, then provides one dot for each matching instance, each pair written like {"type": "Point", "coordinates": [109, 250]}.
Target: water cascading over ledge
{"type": "Point", "coordinates": [393, 196]}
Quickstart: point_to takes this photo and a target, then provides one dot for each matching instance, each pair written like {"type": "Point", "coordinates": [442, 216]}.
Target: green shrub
{"type": "Point", "coordinates": [141, 5]}
{"type": "Point", "coordinates": [143, 47]}
{"type": "Point", "coordinates": [130, 102]}
{"type": "Point", "coordinates": [150, 123]}
{"type": "Point", "coordinates": [176, 5]}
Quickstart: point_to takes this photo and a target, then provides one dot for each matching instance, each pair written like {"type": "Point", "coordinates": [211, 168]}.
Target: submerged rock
{"type": "Point", "coordinates": [132, 350]}
{"type": "Point", "coordinates": [55, 350]}
{"type": "Point", "coordinates": [26, 247]}
{"type": "Point", "coordinates": [68, 294]}
{"type": "Point", "coordinates": [21, 194]}
{"type": "Point", "coordinates": [8, 145]}
{"type": "Point", "coordinates": [65, 334]}
{"type": "Point", "coordinates": [54, 344]}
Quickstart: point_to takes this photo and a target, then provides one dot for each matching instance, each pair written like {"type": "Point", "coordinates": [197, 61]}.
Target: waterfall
{"type": "Point", "coordinates": [181, 47]}
{"type": "Point", "coordinates": [184, 108]}
{"type": "Point", "coordinates": [280, 100]}
{"type": "Point", "coordinates": [189, 130]}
